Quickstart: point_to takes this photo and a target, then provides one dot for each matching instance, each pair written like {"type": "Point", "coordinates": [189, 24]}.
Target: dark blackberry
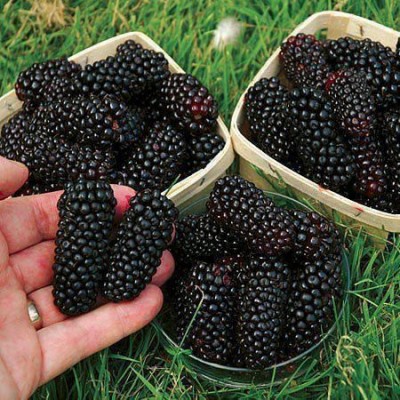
{"type": "Point", "coordinates": [238, 205]}
{"type": "Point", "coordinates": [315, 236]}
{"type": "Point", "coordinates": [205, 311]}
{"type": "Point", "coordinates": [201, 150]}
{"type": "Point", "coordinates": [129, 47]}
{"type": "Point", "coordinates": [188, 103]}
{"type": "Point", "coordinates": [316, 287]}
{"type": "Point", "coordinates": [262, 303]}
{"type": "Point", "coordinates": [32, 187]}
{"type": "Point", "coordinates": [201, 238]}
{"type": "Point", "coordinates": [96, 121]}
{"type": "Point", "coordinates": [82, 244]}
{"type": "Point", "coordinates": [128, 74]}
{"type": "Point", "coordinates": [52, 160]}
{"type": "Point", "coordinates": [304, 61]}
{"type": "Point", "coordinates": [142, 236]}
{"type": "Point", "coordinates": [377, 62]}
{"type": "Point", "coordinates": [158, 161]}
{"type": "Point", "coordinates": [31, 81]}
{"type": "Point", "coordinates": [12, 134]}
{"type": "Point", "coordinates": [353, 102]}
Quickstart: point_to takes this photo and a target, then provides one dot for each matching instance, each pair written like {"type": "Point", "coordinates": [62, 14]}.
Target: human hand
{"type": "Point", "coordinates": [32, 354]}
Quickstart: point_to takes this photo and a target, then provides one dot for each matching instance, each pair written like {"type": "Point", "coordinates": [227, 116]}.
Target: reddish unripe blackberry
{"type": "Point", "coordinates": [201, 150]}
{"type": "Point", "coordinates": [315, 236]}
{"type": "Point", "coordinates": [205, 311]}
{"type": "Point", "coordinates": [82, 244]}
{"type": "Point", "coordinates": [238, 205]}
{"type": "Point", "coordinates": [188, 103]}
{"type": "Point", "coordinates": [261, 308]}
{"type": "Point", "coordinates": [33, 80]}
{"type": "Point", "coordinates": [304, 60]}
{"type": "Point", "coordinates": [315, 290]}
{"type": "Point", "coordinates": [144, 233]}
{"type": "Point", "coordinates": [158, 161]}
{"type": "Point", "coordinates": [199, 237]}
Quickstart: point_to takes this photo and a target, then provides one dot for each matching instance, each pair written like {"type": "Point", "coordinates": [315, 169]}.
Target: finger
{"type": "Point", "coordinates": [66, 343]}
{"type": "Point", "coordinates": [12, 176]}
{"type": "Point", "coordinates": [26, 221]}
{"type": "Point", "coordinates": [33, 266]}
{"type": "Point", "coordinates": [50, 314]}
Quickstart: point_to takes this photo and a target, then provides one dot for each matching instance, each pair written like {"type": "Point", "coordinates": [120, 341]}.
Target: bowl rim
{"type": "Point", "coordinates": [280, 365]}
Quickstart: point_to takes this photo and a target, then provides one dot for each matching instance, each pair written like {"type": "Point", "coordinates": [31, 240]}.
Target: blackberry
{"type": "Point", "coordinates": [261, 308]}
{"type": "Point", "coordinates": [127, 74]}
{"type": "Point", "coordinates": [205, 311]}
{"type": "Point", "coordinates": [315, 236]}
{"type": "Point", "coordinates": [142, 236]}
{"type": "Point", "coordinates": [32, 81]}
{"type": "Point", "coordinates": [201, 238]}
{"type": "Point", "coordinates": [201, 150]}
{"type": "Point", "coordinates": [315, 288]}
{"type": "Point", "coordinates": [188, 103]}
{"type": "Point", "coordinates": [129, 47]}
{"type": "Point", "coordinates": [238, 205]}
{"type": "Point", "coordinates": [304, 61]}
{"type": "Point", "coordinates": [158, 161]}
{"type": "Point", "coordinates": [101, 122]}
{"type": "Point", "coordinates": [86, 215]}
{"type": "Point", "coordinates": [32, 187]}
{"type": "Point", "coordinates": [353, 102]}
{"type": "Point", "coordinates": [53, 160]}
{"type": "Point", "coordinates": [12, 134]}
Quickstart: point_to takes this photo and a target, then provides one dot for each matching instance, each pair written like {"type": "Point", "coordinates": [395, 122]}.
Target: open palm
{"type": "Point", "coordinates": [31, 355]}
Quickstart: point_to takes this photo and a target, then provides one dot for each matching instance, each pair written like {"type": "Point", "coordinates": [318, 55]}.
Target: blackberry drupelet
{"type": "Point", "coordinates": [205, 308]}
{"type": "Point", "coordinates": [158, 161]}
{"type": "Point", "coordinates": [315, 236]}
{"type": "Point", "coordinates": [32, 187]}
{"type": "Point", "coordinates": [201, 238]}
{"type": "Point", "coordinates": [304, 61]}
{"type": "Point", "coordinates": [12, 135]}
{"type": "Point", "coordinates": [127, 74]}
{"type": "Point", "coordinates": [86, 214]}
{"type": "Point", "coordinates": [238, 205]}
{"type": "Point", "coordinates": [261, 307]}
{"type": "Point", "coordinates": [316, 287]}
{"type": "Point", "coordinates": [52, 160]}
{"type": "Point", "coordinates": [31, 82]}
{"type": "Point", "coordinates": [201, 150]}
{"type": "Point", "coordinates": [188, 103]}
{"type": "Point", "coordinates": [144, 233]}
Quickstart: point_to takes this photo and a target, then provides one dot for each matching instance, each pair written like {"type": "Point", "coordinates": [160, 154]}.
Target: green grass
{"type": "Point", "coordinates": [362, 361]}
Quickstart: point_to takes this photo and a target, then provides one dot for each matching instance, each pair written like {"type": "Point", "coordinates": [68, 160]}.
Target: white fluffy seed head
{"type": "Point", "coordinates": [226, 33]}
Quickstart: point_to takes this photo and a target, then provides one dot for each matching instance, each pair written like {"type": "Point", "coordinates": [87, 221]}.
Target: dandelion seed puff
{"type": "Point", "coordinates": [226, 33]}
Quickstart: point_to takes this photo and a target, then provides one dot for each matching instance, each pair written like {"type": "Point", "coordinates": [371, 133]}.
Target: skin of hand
{"type": "Point", "coordinates": [29, 357]}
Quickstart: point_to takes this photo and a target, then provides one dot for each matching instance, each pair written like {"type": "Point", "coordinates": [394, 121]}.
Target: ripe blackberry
{"type": "Point", "coordinates": [158, 161]}
{"type": "Point", "coordinates": [316, 287]}
{"type": "Point", "coordinates": [238, 205]}
{"type": "Point", "coordinates": [12, 134]}
{"type": "Point", "coordinates": [52, 160]}
{"type": "Point", "coordinates": [205, 311]}
{"type": "Point", "coordinates": [201, 238]}
{"type": "Point", "coordinates": [142, 236]}
{"type": "Point", "coordinates": [101, 122]}
{"type": "Point", "coordinates": [127, 74]}
{"type": "Point", "coordinates": [315, 236]}
{"type": "Point", "coordinates": [201, 150]}
{"type": "Point", "coordinates": [129, 47]}
{"type": "Point", "coordinates": [82, 244]}
{"type": "Point", "coordinates": [188, 103]}
{"type": "Point", "coordinates": [377, 62]}
{"type": "Point", "coordinates": [31, 81]}
{"type": "Point", "coordinates": [32, 187]}
{"type": "Point", "coordinates": [261, 308]}
{"type": "Point", "coordinates": [304, 61]}
{"type": "Point", "coordinates": [353, 102]}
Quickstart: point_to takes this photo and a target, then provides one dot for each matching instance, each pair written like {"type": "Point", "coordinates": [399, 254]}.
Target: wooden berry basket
{"type": "Point", "coordinates": [269, 174]}
{"type": "Point", "coordinates": [196, 185]}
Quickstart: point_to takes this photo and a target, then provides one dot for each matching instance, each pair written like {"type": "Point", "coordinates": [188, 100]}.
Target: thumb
{"type": "Point", "coordinates": [12, 176]}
